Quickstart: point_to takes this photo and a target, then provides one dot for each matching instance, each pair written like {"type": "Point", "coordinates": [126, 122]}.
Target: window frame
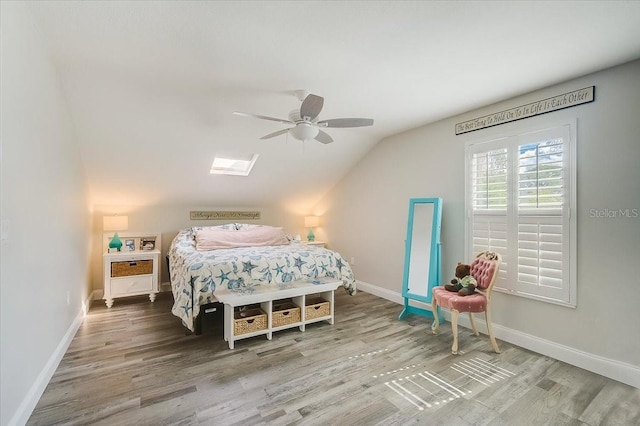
{"type": "Point", "coordinates": [506, 223]}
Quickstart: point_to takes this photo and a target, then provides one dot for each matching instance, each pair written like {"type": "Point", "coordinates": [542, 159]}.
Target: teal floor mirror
{"type": "Point", "coordinates": [422, 255]}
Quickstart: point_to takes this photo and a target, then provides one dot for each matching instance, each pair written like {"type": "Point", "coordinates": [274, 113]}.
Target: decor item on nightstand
{"type": "Point", "coordinates": [147, 243]}
{"type": "Point", "coordinates": [130, 244]}
{"type": "Point", "coordinates": [311, 222]}
{"type": "Point", "coordinates": [115, 223]}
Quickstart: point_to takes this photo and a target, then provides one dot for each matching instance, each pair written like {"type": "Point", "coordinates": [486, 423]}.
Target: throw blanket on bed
{"type": "Point", "coordinates": [197, 275]}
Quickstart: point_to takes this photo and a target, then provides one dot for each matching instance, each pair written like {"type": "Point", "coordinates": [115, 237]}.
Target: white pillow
{"type": "Point", "coordinates": [229, 226]}
{"type": "Point", "coordinates": [243, 226]}
{"type": "Point", "coordinates": [213, 238]}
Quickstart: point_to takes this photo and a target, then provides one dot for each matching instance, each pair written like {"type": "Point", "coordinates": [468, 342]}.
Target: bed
{"type": "Point", "coordinates": [204, 261]}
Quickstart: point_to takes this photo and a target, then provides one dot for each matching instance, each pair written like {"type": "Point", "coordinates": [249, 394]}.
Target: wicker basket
{"type": "Point", "coordinates": [316, 308]}
{"type": "Point", "coordinates": [284, 313]}
{"type": "Point", "coordinates": [134, 267]}
{"type": "Point", "coordinates": [249, 321]}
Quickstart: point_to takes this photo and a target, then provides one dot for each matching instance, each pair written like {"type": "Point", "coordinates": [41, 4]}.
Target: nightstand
{"type": "Point", "coordinates": [314, 243]}
{"type": "Point", "coordinates": [132, 272]}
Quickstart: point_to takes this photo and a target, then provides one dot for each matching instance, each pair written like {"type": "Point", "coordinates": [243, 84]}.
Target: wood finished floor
{"type": "Point", "coordinates": [134, 365]}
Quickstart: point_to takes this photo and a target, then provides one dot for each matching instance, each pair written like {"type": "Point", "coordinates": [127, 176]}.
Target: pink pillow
{"type": "Point", "coordinates": [212, 239]}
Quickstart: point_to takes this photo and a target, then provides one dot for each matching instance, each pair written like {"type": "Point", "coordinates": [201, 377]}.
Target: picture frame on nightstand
{"type": "Point", "coordinates": [147, 244]}
{"type": "Point", "coordinates": [130, 244]}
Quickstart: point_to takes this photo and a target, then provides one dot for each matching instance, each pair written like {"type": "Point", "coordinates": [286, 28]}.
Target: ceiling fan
{"type": "Point", "coordinates": [305, 121]}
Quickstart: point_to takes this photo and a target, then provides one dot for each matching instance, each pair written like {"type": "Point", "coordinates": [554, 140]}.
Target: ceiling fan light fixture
{"type": "Point", "coordinates": [304, 131]}
{"type": "Point", "coordinates": [305, 120]}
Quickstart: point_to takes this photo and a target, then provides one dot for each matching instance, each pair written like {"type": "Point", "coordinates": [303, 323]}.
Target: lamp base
{"type": "Point", "coordinates": [115, 242]}
{"type": "Point", "coordinates": [310, 236]}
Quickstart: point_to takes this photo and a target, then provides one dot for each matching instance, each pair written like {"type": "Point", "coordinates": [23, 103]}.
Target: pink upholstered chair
{"type": "Point", "coordinates": [484, 269]}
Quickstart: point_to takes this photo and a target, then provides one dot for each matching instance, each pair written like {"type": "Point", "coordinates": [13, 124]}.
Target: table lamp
{"type": "Point", "coordinates": [311, 222]}
{"type": "Point", "coordinates": [115, 223]}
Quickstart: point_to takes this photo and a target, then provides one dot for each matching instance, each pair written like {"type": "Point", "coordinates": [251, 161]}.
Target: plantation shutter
{"type": "Point", "coordinates": [489, 195]}
{"type": "Point", "coordinates": [519, 199]}
{"type": "Point", "coordinates": [543, 202]}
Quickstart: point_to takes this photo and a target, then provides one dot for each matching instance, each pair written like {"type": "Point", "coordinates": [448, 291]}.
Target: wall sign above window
{"type": "Point", "coordinates": [224, 215]}
{"type": "Point", "coordinates": [566, 100]}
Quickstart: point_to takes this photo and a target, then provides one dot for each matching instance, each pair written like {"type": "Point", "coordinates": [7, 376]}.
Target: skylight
{"type": "Point", "coordinates": [239, 166]}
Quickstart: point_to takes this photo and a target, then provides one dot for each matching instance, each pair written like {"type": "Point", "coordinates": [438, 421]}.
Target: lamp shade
{"type": "Point", "coordinates": [115, 223]}
{"type": "Point", "coordinates": [311, 221]}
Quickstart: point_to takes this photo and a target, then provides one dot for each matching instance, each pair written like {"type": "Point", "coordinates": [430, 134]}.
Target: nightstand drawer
{"type": "Point", "coordinates": [131, 285]}
{"type": "Point", "coordinates": [132, 267]}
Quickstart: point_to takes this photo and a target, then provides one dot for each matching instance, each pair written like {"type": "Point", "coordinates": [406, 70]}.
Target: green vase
{"type": "Point", "coordinates": [115, 242]}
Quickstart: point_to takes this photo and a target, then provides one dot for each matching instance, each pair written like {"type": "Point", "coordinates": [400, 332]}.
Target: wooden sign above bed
{"type": "Point", "coordinates": [224, 215]}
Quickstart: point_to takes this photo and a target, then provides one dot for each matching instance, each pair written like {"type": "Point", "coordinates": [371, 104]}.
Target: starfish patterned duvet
{"type": "Point", "coordinates": [196, 276]}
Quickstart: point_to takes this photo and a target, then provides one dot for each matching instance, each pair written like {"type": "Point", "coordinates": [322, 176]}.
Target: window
{"type": "Point", "coordinates": [239, 166]}
{"type": "Point", "coordinates": [520, 196]}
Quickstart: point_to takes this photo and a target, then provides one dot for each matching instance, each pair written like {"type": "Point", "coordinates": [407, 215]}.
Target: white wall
{"type": "Point", "coordinates": [44, 210]}
{"type": "Point", "coordinates": [366, 213]}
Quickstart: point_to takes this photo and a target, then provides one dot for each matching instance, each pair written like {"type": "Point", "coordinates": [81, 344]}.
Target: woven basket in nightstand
{"type": "Point", "coordinates": [133, 267]}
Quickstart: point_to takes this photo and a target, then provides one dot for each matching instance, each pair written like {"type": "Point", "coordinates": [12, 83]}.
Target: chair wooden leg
{"type": "Point", "coordinates": [436, 322]}
{"type": "Point", "coordinates": [473, 324]}
{"type": "Point", "coordinates": [454, 328]}
{"type": "Point", "coordinates": [487, 315]}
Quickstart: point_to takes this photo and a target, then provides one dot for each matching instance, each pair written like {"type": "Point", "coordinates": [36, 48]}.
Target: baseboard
{"type": "Point", "coordinates": [97, 294]}
{"type": "Point", "coordinates": [30, 401]}
{"type": "Point", "coordinates": [380, 292]}
{"type": "Point", "coordinates": [616, 370]}
{"type": "Point", "coordinates": [37, 389]}
{"type": "Point", "coordinates": [87, 303]}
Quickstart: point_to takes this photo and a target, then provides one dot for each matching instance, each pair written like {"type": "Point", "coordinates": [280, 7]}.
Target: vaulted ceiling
{"type": "Point", "coordinates": [152, 85]}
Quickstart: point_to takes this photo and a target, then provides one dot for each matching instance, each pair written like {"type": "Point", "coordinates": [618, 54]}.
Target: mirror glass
{"type": "Point", "coordinates": [420, 250]}
{"type": "Point", "coordinates": [422, 254]}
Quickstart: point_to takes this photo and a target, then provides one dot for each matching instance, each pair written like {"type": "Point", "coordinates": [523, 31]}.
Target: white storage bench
{"type": "Point", "coordinates": [310, 301]}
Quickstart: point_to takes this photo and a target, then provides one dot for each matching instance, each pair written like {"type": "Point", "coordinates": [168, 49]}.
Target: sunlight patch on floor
{"type": "Point", "coordinates": [482, 371]}
{"type": "Point", "coordinates": [429, 389]}
{"type": "Point", "coordinates": [426, 385]}
{"type": "Point", "coordinates": [368, 354]}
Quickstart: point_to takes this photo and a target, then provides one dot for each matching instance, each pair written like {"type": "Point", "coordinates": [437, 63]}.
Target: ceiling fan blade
{"type": "Point", "coordinates": [274, 134]}
{"type": "Point", "coordinates": [263, 117]}
{"type": "Point", "coordinates": [323, 137]}
{"type": "Point", "coordinates": [311, 106]}
{"type": "Point", "coordinates": [346, 122]}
